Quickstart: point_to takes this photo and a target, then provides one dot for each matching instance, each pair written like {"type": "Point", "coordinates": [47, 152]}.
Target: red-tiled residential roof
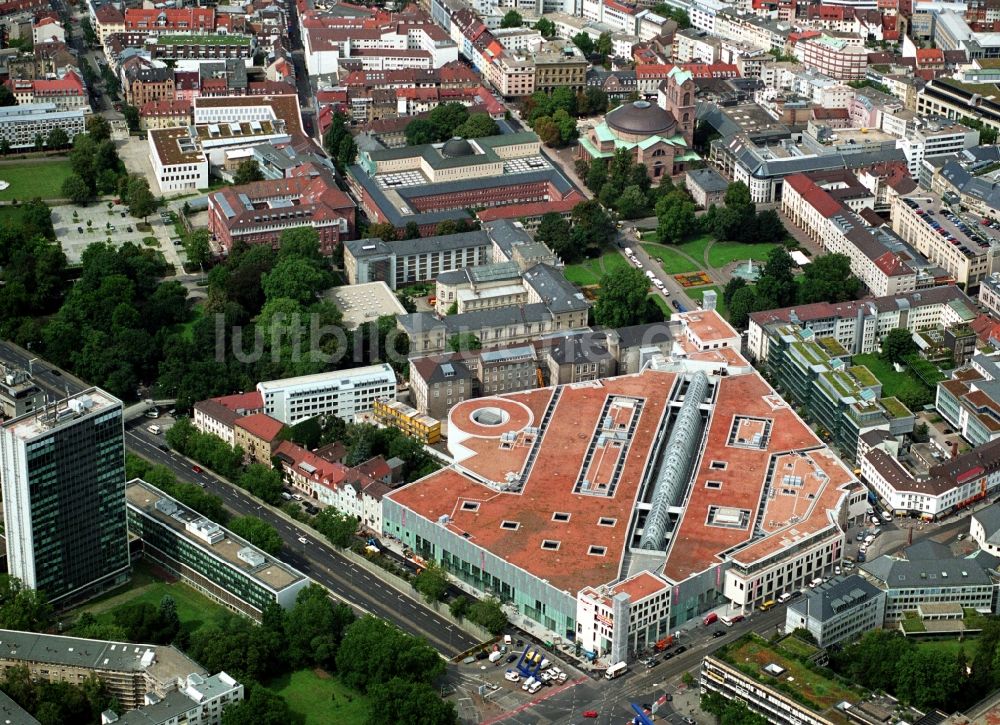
{"type": "Point", "coordinates": [163, 107]}
{"type": "Point", "coordinates": [892, 266]}
{"type": "Point", "coordinates": [530, 209]}
{"type": "Point", "coordinates": [930, 55]}
{"type": "Point", "coordinates": [816, 197]}
{"type": "Point", "coordinates": [260, 425]}
{"type": "Point", "coordinates": [252, 401]}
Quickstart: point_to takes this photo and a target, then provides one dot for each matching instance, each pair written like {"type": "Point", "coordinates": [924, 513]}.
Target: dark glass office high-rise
{"type": "Point", "coordinates": [63, 478]}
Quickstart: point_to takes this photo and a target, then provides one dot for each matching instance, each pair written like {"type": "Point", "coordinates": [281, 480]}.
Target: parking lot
{"type": "Point", "coordinates": [485, 689]}
{"type": "Point", "coordinates": [91, 224]}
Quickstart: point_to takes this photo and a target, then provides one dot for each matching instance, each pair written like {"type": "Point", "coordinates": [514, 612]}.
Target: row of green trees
{"type": "Point", "coordinates": [827, 278]}
{"type": "Point", "coordinates": [449, 120]}
{"type": "Point", "coordinates": [586, 234]}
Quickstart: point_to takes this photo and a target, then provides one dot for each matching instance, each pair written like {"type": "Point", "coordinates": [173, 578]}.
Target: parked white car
{"type": "Point", "coordinates": [511, 676]}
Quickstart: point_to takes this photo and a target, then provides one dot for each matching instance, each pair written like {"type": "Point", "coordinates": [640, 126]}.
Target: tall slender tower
{"type": "Point", "coordinates": [62, 469]}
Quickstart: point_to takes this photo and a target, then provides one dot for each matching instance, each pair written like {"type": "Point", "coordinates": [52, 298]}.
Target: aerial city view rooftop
{"type": "Point", "coordinates": [479, 362]}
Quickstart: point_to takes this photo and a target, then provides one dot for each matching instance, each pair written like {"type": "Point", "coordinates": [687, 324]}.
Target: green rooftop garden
{"type": "Point", "coordinates": [840, 382]}
{"type": "Point", "coordinates": [911, 622]}
{"type": "Point", "coordinates": [204, 40]}
{"type": "Point", "coordinates": [831, 347]}
{"type": "Point", "coordinates": [813, 686]}
{"type": "Point", "coordinates": [863, 375]}
{"type": "Point", "coordinates": [810, 352]}
{"type": "Point", "coordinates": [895, 408]}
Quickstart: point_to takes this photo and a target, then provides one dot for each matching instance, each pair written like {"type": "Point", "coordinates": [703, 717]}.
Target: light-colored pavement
{"type": "Point", "coordinates": [106, 225]}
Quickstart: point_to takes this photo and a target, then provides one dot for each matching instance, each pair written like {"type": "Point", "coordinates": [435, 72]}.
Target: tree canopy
{"type": "Point", "coordinates": [622, 300]}
{"type": "Point", "coordinates": [512, 19]}
{"type": "Point", "coordinates": [247, 172]}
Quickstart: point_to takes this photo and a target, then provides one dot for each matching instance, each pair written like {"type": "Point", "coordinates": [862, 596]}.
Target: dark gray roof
{"type": "Point", "coordinates": [418, 322]}
{"type": "Point", "coordinates": [482, 273]}
{"type": "Point", "coordinates": [397, 219]}
{"type": "Point", "coordinates": [435, 368]}
{"type": "Point", "coordinates": [708, 179]}
{"type": "Point", "coordinates": [834, 597]}
{"type": "Point", "coordinates": [654, 333]}
{"type": "Point", "coordinates": [989, 518]}
{"type": "Point", "coordinates": [930, 565]}
{"type": "Point", "coordinates": [14, 714]}
{"type": "Point", "coordinates": [92, 654]}
{"type": "Point", "coordinates": [577, 349]}
{"type": "Point", "coordinates": [170, 707]}
{"type": "Point", "coordinates": [556, 292]}
{"type": "Point", "coordinates": [420, 245]}
{"type": "Point", "coordinates": [506, 234]}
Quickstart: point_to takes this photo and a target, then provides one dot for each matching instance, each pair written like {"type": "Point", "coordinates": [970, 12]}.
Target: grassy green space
{"type": "Point", "coordinates": [319, 698]}
{"type": "Point", "coordinates": [672, 261]}
{"type": "Point", "coordinates": [187, 329]}
{"type": "Point", "coordinates": [151, 241]}
{"type": "Point", "coordinates": [798, 647]}
{"type": "Point", "coordinates": [894, 385]}
{"type": "Point", "coordinates": [723, 253]}
{"type": "Point", "coordinates": [662, 304]}
{"type": "Point", "coordinates": [698, 294]}
{"type": "Point", "coordinates": [949, 646]}
{"type": "Point", "coordinates": [204, 40]}
{"type": "Point", "coordinates": [754, 653]}
{"type": "Point", "coordinates": [696, 247]}
{"type": "Point", "coordinates": [195, 610]}
{"type": "Point", "coordinates": [590, 271]}
{"type": "Point", "coordinates": [30, 180]}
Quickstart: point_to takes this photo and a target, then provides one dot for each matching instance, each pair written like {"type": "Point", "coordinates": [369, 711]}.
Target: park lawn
{"type": "Point", "coordinates": [589, 272]}
{"type": "Point", "coordinates": [673, 262]}
{"type": "Point", "coordinates": [950, 646]}
{"type": "Point", "coordinates": [319, 698]}
{"type": "Point", "coordinates": [698, 294]}
{"type": "Point", "coordinates": [894, 385]}
{"type": "Point", "coordinates": [194, 609]}
{"type": "Point", "coordinates": [696, 247]}
{"type": "Point", "coordinates": [30, 180]}
{"type": "Point", "coordinates": [723, 253]}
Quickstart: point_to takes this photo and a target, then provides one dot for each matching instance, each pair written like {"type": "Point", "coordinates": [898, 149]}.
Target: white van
{"type": "Point", "coordinates": [816, 582]}
{"type": "Point", "coordinates": [628, 251]}
{"type": "Point", "coordinates": [154, 429]}
{"type": "Point", "coordinates": [784, 597]}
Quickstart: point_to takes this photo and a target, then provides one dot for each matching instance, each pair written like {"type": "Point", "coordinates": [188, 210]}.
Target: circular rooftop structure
{"type": "Point", "coordinates": [456, 147]}
{"type": "Point", "coordinates": [642, 118]}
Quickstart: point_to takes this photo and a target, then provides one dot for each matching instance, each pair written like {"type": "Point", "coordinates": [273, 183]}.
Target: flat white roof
{"type": "Point", "coordinates": [322, 378]}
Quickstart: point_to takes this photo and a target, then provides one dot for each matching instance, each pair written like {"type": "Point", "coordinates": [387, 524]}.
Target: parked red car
{"type": "Point", "coordinates": [590, 713]}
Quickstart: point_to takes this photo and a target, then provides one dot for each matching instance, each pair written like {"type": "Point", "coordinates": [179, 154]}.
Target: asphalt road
{"type": "Point", "coordinates": [364, 592]}
{"type": "Point", "coordinates": [628, 237]}
{"type": "Point", "coordinates": [612, 700]}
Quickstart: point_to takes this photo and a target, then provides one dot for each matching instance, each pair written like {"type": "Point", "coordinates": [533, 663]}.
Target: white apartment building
{"type": "Point", "coordinates": [966, 254]}
{"type": "Point", "coordinates": [178, 162]}
{"type": "Point", "coordinates": [696, 46]}
{"type": "Point", "coordinates": [19, 125]}
{"type": "Point", "coordinates": [932, 138]}
{"type": "Point", "coordinates": [947, 487]}
{"type": "Point", "coordinates": [640, 600]}
{"type": "Point", "coordinates": [989, 293]}
{"type": "Point", "coordinates": [343, 393]}
{"type": "Point", "coordinates": [764, 571]}
{"type": "Point", "coordinates": [702, 14]}
{"type": "Point", "coordinates": [614, 14]}
{"type": "Point", "coordinates": [860, 325]}
{"type": "Point", "coordinates": [835, 57]}
{"type": "Point", "coordinates": [984, 529]}
{"type": "Point", "coordinates": [840, 231]}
